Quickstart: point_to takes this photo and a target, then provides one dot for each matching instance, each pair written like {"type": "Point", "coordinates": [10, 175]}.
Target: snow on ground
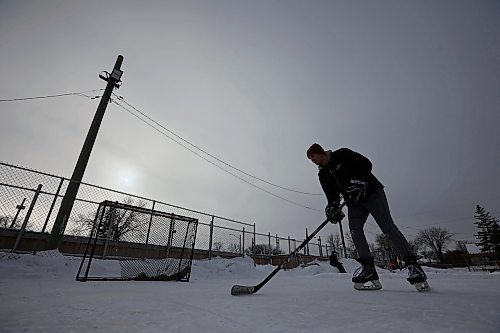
{"type": "Point", "coordinates": [39, 294]}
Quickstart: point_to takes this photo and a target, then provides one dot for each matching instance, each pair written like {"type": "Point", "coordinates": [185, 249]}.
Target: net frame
{"type": "Point", "coordinates": [150, 262]}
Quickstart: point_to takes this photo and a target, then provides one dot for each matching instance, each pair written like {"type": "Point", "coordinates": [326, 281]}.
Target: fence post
{"type": "Point", "coordinates": [26, 218]}
{"type": "Point", "coordinates": [306, 249]}
{"type": "Point", "coordinates": [254, 239]}
{"type": "Point", "coordinates": [52, 205]}
{"type": "Point", "coordinates": [19, 208]}
{"type": "Point", "coordinates": [150, 221]}
{"type": "Point", "coordinates": [253, 245]}
{"type": "Point", "coordinates": [210, 238]}
{"type": "Point", "coordinates": [240, 245]}
{"type": "Point", "coordinates": [320, 247]}
{"type": "Point", "coordinates": [35, 248]}
{"type": "Point", "coordinates": [253, 252]}
{"type": "Point", "coordinates": [277, 245]}
{"type": "Point", "coordinates": [269, 239]}
{"type": "Point", "coordinates": [171, 232]}
{"type": "Point", "coordinates": [243, 243]}
{"type": "Point", "coordinates": [289, 249]}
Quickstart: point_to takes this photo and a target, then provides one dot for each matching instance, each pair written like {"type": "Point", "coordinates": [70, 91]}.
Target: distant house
{"type": "Point", "coordinates": [472, 248]}
{"type": "Point", "coordinates": [481, 261]}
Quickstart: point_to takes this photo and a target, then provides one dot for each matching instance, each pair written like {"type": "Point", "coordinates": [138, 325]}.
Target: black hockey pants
{"type": "Point", "coordinates": [376, 205]}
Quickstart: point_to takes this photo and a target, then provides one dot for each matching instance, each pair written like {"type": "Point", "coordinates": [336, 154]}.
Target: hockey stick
{"type": "Point", "coordinates": [247, 290]}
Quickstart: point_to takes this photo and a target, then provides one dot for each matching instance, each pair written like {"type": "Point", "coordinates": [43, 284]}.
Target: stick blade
{"type": "Point", "coordinates": [237, 290]}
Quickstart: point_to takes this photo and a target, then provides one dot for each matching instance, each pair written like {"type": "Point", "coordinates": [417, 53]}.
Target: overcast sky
{"type": "Point", "coordinates": [412, 85]}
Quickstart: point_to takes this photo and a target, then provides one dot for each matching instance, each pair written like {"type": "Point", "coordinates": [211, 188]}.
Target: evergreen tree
{"type": "Point", "coordinates": [495, 239]}
{"type": "Point", "coordinates": [488, 234]}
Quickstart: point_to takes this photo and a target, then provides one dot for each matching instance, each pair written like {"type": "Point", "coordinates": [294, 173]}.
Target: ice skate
{"type": "Point", "coordinates": [422, 286]}
{"type": "Point", "coordinates": [416, 275]}
{"type": "Point", "coordinates": [366, 277]}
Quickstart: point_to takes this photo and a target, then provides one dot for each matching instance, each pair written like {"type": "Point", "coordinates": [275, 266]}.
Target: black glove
{"type": "Point", "coordinates": [356, 190]}
{"type": "Point", "coordinates": [333, 213]}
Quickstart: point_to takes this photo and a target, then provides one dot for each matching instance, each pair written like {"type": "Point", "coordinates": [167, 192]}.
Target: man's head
{"type": "Point", "coordinates": [317, 155]}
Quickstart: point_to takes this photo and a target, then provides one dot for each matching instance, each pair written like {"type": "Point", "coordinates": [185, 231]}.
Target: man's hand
{"type": "Point", "coordinates": [356, 190]}
{"type": "Point", "coordinates": [333, 213]}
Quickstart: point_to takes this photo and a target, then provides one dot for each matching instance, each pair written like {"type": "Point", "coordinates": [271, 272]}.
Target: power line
{"type": "Point", "coordinates": [84, 94]}
{"type": "Point", "coordinates": [81, 93]}
{"type": "Point", "coordinates": [212, 156]}
{"type": "Point", "coordinates": [218, 166]}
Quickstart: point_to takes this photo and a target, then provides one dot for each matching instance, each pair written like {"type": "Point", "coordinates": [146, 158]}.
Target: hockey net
{"type": "Point", "coordinates": [135, 243]}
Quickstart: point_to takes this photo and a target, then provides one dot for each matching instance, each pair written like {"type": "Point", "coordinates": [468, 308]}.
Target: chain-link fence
{"type": "Point", "coordinates": [30, 200]}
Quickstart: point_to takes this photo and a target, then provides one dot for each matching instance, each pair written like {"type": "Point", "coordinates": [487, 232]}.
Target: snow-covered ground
{"type": "Point", "coordinates": [39, 294]}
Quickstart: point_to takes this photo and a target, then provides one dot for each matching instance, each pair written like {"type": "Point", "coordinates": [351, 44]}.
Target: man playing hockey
{"type": "Point", "coordinates": [348, 173]}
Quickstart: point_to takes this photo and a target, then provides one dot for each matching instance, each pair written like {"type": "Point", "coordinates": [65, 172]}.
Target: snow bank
{"type": "Point", "coordinates": [315, 298]}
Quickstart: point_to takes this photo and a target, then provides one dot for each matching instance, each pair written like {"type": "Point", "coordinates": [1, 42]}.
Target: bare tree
{"type": "Point", "coordinates": [120, 221]}
{"type": "Point", "coordinates": [460, 245]}
{"type": "Point", "coordinates": [335, 243]}
{"type": "Point", "coordinates": [414, 246]}
{"type": "Point", "coordinates": [5, 221]}
{"type": "Point", "coordinates": [234, 248]}
{"type": "Point", "coordinates": [217, 246]}
{"type": "Point", "coordinates": [263, 249]}
{"type": "Point", "coordinates": [385, 248]}
{"type": "Point", "coordinates": [435, 239]}
{"type": "Point", "coordinates": [350, 247]}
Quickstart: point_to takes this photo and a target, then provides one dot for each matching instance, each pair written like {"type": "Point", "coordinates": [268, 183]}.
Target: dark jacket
{"type": "Point", "coordinates": [345, 165]}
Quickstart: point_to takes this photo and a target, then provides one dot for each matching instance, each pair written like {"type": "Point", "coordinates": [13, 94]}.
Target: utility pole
{"type": "Point", "coordinates": [113, 80]}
